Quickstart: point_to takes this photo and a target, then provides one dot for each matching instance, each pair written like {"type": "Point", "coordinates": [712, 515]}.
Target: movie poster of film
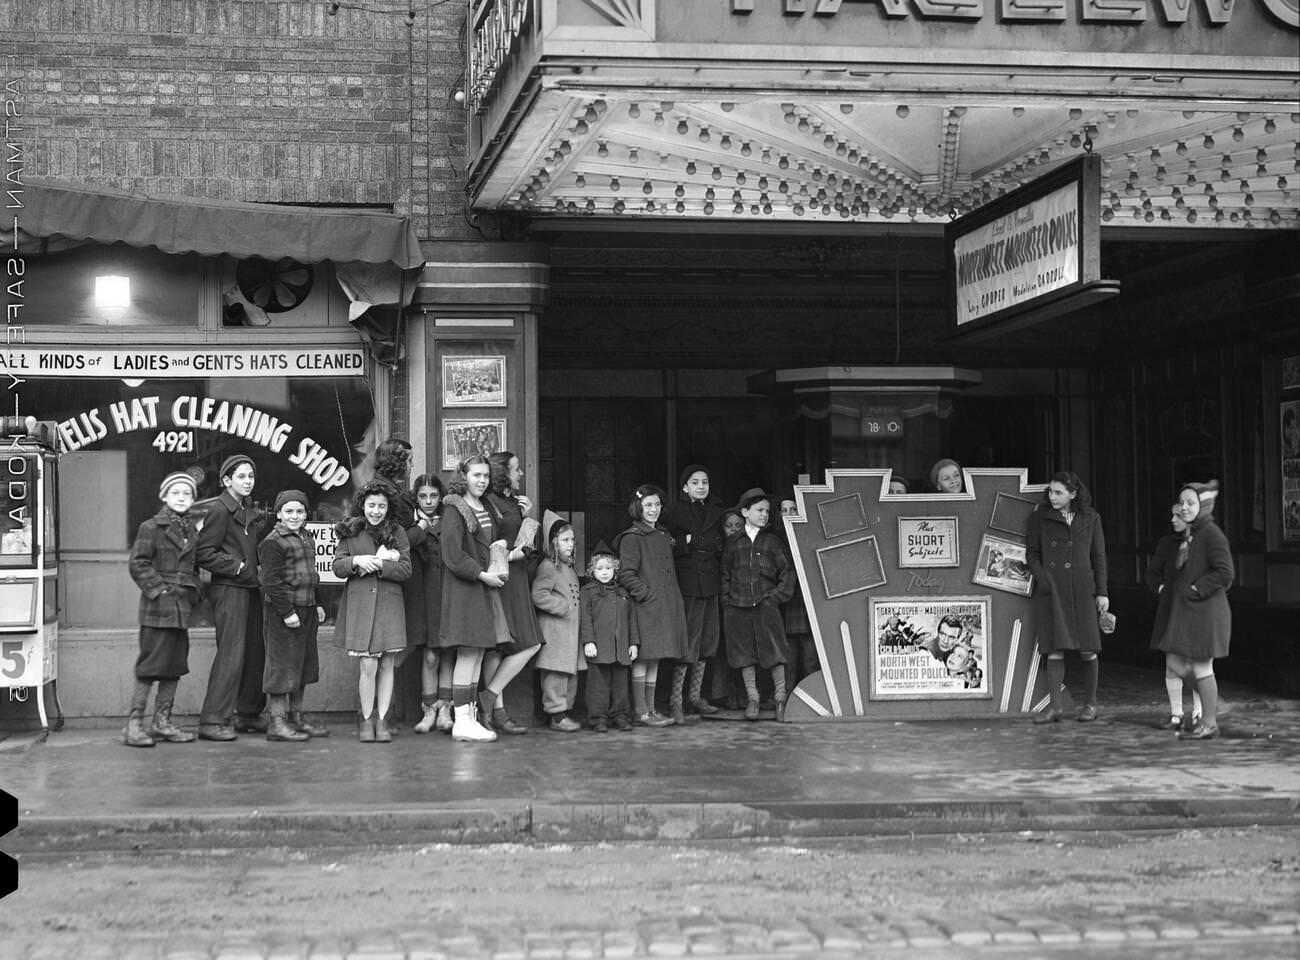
{"type": "Point", "coordinates": [931, 647]}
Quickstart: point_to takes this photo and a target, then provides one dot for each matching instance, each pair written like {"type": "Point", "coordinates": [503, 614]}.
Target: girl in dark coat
{"type": "Point", "coordinates": [473, 620]}
{"type": "Point", "coordinates": [695, 524]}
{"type": "Point", "coordinates": [1195, 625]}
{"type": "Point", "coordinates": [1066, 552]}
{"type": "Point", "coordinates": [509, 509]}
{"type": "Point", "coordinates": [647, 572]}
{"type": "Point", "coordinates": [757, 577]}
{"type": "Point", "coordinates": [1161, 568]}
{"type": "Point", "coordinates": [423, 596]}
{"type": "Point", "coordinates": [374, 556]}
{"type": "Point", "coordinates": [162, 565]}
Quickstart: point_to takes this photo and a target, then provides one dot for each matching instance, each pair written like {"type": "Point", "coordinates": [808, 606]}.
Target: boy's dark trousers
{"type": "Point", "coordinates": [235, 683]}
{"type": "Point", "coordinates": [607, 691]}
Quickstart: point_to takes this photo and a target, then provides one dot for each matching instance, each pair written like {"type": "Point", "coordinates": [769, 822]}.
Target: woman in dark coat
{"type": "Point", "coordinates": [647, 571]}
{"type": "Point", "coordinates": [1066, 551]}
{"type": "Point", "coordinates": [472, 618]}
{"type": "Point", "coordinates": [1194, 622]}
{"type": "Point", "coordinates": [508, 507]}
{"type": "Point", "coordinates": [374, 556]}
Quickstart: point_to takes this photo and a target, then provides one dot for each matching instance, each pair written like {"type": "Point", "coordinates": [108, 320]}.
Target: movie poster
{"type": "Point", "coordinates": [925, 648]}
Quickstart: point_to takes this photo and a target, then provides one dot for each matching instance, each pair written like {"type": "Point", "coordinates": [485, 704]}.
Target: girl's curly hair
{"type": "Point", "coordinates": [393, 461]}
{"type": "Point", "coordinates": [500, 479]}
{"type": "Point", "coordinates": [1071, 482]}
{"type": "Point", "coordinates": [591, 563]}
{"type": "Point", "coordinates": [385, 535]}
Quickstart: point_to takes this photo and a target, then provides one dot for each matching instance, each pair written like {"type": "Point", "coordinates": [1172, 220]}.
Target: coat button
{"type": "Point", "coordinates": [1051, 563]}
{"type": "Point", "coordinates": [1067, 565]}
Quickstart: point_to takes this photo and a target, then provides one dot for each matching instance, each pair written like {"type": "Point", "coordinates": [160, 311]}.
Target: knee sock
{"type": "Point", "coordinates": [140, 697]}
{"type": "Point", "coordinates": [166, 695]}
{"type": "Point", "coordinates": [638, 696]}
{"type": "Point", "coordinates": [1208, 687]}
{"type": "Point", "coordinates": [1174, 687]}
{"type": "Point", "coordinates": [751, 683]}
{"type": "Point", "coordinates": [697, 681]}
{"type": "Point", "coordinates": [461, 695]}
{"type": "Point", "coordinates": [778, 683]}
{"type": "Point", "coordinates": [1055, 680]}
{"type": "Point", "coordinates": [428, 699]}
{"type": "Point", "coordinates": [649, 694]}
{"type": "Point", "coordinates": [1091, 671]}
{"type": "Point", "coordinates": [679, 682]}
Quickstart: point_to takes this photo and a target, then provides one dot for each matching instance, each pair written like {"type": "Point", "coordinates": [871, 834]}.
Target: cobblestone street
{"type": "Point", "coordinates": [1213, 893]}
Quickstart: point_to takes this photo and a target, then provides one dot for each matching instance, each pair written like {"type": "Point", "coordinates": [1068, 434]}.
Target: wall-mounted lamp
{"type": "Point", "coordinates": [112, 292]}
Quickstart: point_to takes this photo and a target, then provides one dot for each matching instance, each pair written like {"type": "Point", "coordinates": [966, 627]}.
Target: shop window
{"type": "Point", "coordinates": [119, 438]}
{"type": "Point", "coordinates": [102, 285]}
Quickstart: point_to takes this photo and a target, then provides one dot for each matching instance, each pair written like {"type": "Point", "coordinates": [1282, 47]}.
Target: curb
{"type": "Point", "coordinates": [512, 822]}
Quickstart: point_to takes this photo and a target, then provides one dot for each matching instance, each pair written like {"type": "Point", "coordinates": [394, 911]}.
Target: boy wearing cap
{"type": "Point", "coordinates": [756, 579]}
{"type": "Point", "coordinates": [286, 569]}
{"type": "Point", "coordinates": [228, 549]}
{"type": "Point", "coordinates": [162, 565]}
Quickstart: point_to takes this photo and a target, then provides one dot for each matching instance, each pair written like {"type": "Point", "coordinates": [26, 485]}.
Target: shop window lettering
{"type": "Point", "coordinates": [177, 421]}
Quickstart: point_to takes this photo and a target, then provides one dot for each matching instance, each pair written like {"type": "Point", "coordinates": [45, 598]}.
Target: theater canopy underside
{"type": "Point", "coordinates": [881, 114]}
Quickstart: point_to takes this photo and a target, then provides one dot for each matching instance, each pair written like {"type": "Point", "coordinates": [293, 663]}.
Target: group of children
{"type": "Point", "coordinates": [461, 576]}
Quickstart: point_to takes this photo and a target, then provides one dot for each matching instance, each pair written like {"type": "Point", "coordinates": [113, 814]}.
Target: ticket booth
{"type": "Point", "coordinates": [29, 564]}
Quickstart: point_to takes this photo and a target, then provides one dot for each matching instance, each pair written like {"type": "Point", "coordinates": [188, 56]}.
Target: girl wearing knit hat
{"type": "Point", "coordinates": [1194, 622]}
{"type": "Point", "coordinates": [946, 476]}
{"type": "Point", "coordinates": [555, 594]}
{"type": "Point", "coordinates": [162, 565]}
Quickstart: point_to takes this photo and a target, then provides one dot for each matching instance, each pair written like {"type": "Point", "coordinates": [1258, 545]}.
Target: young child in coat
{"type": "Point", "coordinates": [757, 578]}
{"type": "Point", "coordinates": [162, 564]}
{"type": "Point", "coordinates": [555, 594]}
{"type": "Point", "coordinates": [286, 570]}
{"type": "Point", "coordinates": [374, 556]}
{"type": "Point", "coordinates": [607, 631]}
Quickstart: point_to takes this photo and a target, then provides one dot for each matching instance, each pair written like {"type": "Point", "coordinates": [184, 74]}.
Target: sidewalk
{"type": "Point", "coordinates": [80, 789]}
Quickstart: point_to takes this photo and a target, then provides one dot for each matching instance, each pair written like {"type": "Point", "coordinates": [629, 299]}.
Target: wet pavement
{"type": "Point", "coordinates": [80, 789]}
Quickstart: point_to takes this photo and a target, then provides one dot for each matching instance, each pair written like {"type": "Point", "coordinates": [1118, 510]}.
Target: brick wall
{"type": "Point", "coordinates": [246, 99]}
